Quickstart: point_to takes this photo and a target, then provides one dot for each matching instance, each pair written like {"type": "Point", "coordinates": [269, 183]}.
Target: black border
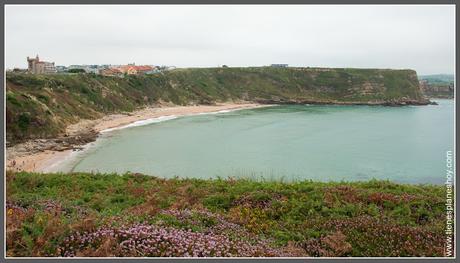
{"type": "Point", "coordinates": [232, 2]}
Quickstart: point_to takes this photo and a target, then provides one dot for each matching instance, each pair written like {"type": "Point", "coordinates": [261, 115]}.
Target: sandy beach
{"type": "Point", "coordinates": [35, 156]}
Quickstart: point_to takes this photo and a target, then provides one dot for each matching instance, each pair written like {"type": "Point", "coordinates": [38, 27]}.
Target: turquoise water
{"type": "Point", "coordinates": [326, 143]}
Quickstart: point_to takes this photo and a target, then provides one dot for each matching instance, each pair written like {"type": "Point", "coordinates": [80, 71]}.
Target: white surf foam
{"type": "Point", "coordinates": [142, 123]}
{"type": "Point", "coordinates": [66, 163]}
{"type": "Point", "coordinates": [217, 112]}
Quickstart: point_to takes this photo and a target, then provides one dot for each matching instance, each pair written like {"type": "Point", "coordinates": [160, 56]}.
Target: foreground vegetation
{"type": "Point", "coordinates": [83, 214]}
{"type": "Point", "coordinates": [41, 106]}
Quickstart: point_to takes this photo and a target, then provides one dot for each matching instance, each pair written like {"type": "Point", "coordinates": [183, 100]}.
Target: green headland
{"type": "Point", "coordinates": [41, 106]}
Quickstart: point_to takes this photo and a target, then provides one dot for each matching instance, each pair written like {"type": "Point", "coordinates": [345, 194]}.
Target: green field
{"type": "Point", "coordinates": [84, 214]}
{"type": "Point", "coordinates": [439, 79]}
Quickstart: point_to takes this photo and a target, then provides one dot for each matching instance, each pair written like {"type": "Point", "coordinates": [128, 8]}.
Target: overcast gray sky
{"type": "Point", "coordinates": [416, 37]}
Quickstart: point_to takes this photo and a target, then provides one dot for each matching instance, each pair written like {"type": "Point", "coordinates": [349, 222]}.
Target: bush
{"type": "Point", "coordinates": [24, 121]}
{"type": "Point", "coordinates": [76, 70]}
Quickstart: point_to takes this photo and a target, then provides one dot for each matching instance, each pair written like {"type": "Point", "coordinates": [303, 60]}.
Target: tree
{"type": "Point", "coordinates": [76, 70]}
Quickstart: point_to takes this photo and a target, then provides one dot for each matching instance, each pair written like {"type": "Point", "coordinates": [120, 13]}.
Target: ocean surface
{"type": "Point", "coordinates": [301, 142]}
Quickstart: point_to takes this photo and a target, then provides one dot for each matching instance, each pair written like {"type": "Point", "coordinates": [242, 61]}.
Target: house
{"type": "Point", "coordinates": [279, 65]}
{"type": "Point", "coordinates": [114, 72]}
{"type": "Point", "coordinates": [92, 69]}
{"type": "Point", "coordinates": [61, 69]}
{"type": "Point", "coordinates": [129, 69]}
{"type": "Point", "coordinates": [134, 70]}
{"type": "Point", "coordinates": [35, 66]}
{"type": "Point", "coordinates": [143, 69]}
{"type": "Point", "coordinates": [154, 70]}
{"type": "Point", "coordinates": [87, 68]}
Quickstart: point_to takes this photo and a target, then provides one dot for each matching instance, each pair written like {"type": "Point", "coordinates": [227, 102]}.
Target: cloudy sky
{"type": "Point", "coordinates": [416, 37]}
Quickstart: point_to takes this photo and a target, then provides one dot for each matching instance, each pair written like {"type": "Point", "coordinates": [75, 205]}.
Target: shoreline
{"type": "Point", "coordinates": [386, 103]}
{"type": "Point", "coordinates": [43, 154]}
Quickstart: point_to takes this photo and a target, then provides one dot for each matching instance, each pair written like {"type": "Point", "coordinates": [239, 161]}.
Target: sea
{"type": "Point", "coordinates": [288, 143]}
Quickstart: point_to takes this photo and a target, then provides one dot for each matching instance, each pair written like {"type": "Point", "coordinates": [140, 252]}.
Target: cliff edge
{"type": "Point", "coordinates": [41, 106]}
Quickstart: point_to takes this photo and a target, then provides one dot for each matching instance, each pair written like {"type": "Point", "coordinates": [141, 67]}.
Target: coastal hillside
{"type": "Point", "coordinates": [438, 78]}
{"type": "Point", "coordinates": [41, 106]}
{"type": "Point", "coordinates": [437, 86]}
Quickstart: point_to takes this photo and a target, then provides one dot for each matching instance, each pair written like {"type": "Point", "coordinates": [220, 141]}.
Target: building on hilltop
{"type": "Point", "coordinates": [132, 69]}
{"type": "Point", "coordinates": [154, 70]}
{"type": "Point", "coordinates": [129, 69]}
{"type": "Point", "coordinates": [144, 69]}
{"type": "Point", "coordinates": [113, 72]}
{"type": "Point", "coordinates": [35, 66]}
{"type": "Point", "coordinates": [87, 68]}
{"type": "Point", "coordinates": [61, 69]}
{"type": "Point", "coordinates": [279, 65]}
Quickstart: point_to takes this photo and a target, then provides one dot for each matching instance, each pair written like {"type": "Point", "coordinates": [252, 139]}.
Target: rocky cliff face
{"type": "Point", "coordinates": [434, 90]}
{"type": "Point", "coordinates": [316, 85]}
{"type": "Point", "coordinates": [40, 106]}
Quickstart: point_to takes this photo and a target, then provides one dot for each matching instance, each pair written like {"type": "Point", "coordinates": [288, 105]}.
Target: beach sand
{"type": "Point", "coordinates": [21, 157]}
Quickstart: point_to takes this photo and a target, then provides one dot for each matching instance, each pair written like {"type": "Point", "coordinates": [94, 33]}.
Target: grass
{"type": "Point", "coordinates": [46, 214]}
{"type": "Point", "coordinates": [439, 79]}
{"type": "Point", "coordinates": [41, 106]}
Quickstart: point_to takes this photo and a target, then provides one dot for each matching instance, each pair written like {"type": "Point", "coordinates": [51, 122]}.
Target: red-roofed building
{"type": "Point", "coordinates": [111, 72]}
{"type": "Point", "coordinates": [135, 70]}
{"type": "Point", "coordinates": [143, 69]}
{"type": "Point", "coordinates": [128, 70]}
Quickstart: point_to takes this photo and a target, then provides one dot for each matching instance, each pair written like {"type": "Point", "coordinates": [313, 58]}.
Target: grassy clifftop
{"type": "Point", "coordinates": [111, 215]}
{"type": "Point", "coordinates": [40, 106]}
